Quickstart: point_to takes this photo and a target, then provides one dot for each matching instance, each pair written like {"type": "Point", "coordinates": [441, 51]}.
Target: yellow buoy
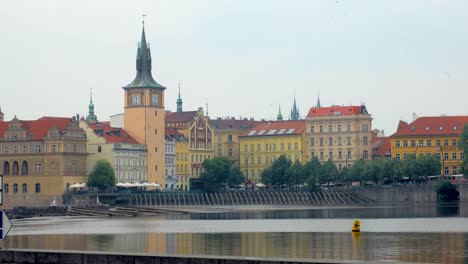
{"type": "Point", "coordinates": [356, 226]}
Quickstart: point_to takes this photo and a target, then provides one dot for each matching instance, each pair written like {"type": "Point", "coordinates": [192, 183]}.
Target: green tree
{"type": "Point", "coordinates": [219, 173]}
{"type": "Point", "coordinates": [279, 171]}
{"type": "Point", "coordinates": [329, 172]}
{"type": "Point", "coordinates": [464, 147]}
{"type": "Point", "coordinates": [102, 175]}
{"type": "Point", "coordinates": [356, 172]}
{"type": "Point", "coordinates": [296, 174]}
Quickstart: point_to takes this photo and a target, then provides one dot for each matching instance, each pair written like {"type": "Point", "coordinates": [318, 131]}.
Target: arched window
{"type": "Point", "coordinates": [38, 188]}
{"type": "Point", "coordinates": [15, 168]}
{"type": "Point", "coordinates": [6, 188]}
{"type": "Point", "coordinates": [6, 168]}
{"type": "Point", "coordinates": [24, 168]}
{"type": "Point", "coordinates": [15, 188]}
{"type": "Point", "coordinates": [25, 188]}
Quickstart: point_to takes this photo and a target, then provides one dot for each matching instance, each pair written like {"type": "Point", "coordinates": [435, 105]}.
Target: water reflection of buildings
{"type": "Point", "coordinates": [406, 247]}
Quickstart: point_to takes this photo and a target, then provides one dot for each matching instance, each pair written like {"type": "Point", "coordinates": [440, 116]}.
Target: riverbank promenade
{"type": "Point", "coordinates": [94, 257]}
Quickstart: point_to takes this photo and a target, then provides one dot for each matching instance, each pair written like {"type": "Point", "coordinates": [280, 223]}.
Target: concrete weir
{"type": "Point", "coordinates": [91, 257]}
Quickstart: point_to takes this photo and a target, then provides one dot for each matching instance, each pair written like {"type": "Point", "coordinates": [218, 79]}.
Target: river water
{"type": "Point", "coordinates": [430, 233]}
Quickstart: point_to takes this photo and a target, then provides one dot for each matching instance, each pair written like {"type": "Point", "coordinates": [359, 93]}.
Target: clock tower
{"type": "Point", "coordinates": [144, 112]}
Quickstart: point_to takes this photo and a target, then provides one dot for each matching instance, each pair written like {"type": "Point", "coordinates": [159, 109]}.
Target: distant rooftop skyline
{"type": "Point", "coordinates": [243, 58]}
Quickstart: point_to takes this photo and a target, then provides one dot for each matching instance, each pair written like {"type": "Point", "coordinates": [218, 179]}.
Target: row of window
{"type": "Point", "coordinates": [446, 155]}
{"type": "Point", "coordinates": [40, 148]}
{"type": "Point", "coordinates": [428, 143]}
{"type": "Point", "coordinates": [130, 162]}
{"type": "Point", "coordinates": [268, 159]}
{"type": "Point", "coordinates": [339, 141]}
{"type": "Point", "coordinates": [180, 167]}
{"type": "Point", "coordinates": [200, 158]}
{"type": "Point", "coordinates": [341, 155]}
{"type": "Point", "coordinates": [269, 147]}
{"type": "Point", "coordinates": [339, 128]}
{"type": "Point", "coordinates": [171, 171]}
{"type": "Point", "coordinates": [169, 160]}
{"type": "Point", "coordinates": [220, 153]}
{"type": "Point", "coordinates": [6, 188]}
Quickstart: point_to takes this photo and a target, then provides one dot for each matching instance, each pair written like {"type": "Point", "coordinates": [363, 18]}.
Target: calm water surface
{"type": "Point", "coordinates": [412, 234]}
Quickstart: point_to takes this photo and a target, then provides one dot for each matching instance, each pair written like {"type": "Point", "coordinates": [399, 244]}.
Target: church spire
{"type": "Point", "coordinates": [318, 100]}
{"type": "Point", "coordinates": [144, 78]}
{"type": "Point", "coordinates": [91, 116]}
{"type": "Point", "coordinates": [279, 117]}
{"type": "Point", "coordinates": [294, 111]}
{"type": "Point", "coordinates": [179, 102]}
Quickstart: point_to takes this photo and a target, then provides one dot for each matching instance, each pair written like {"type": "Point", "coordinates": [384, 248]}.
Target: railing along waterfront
{"type": "Point", "coordinates": [230, 198]}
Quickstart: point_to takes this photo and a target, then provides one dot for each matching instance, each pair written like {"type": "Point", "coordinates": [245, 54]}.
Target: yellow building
{"type": "Point", "coordinates": [40, 159]}
{"type": "Point", "coordinates": [342, 134]}
{"type": "Point", "coordinates": [182, 161]}
{"type": "Point", "coordinates": [264, 143]}
{"type": "Point", "coordinates": [431, 136]}
{"type": "Point", "coordinates": [144, 113]}
{"type": "Point", "coordinates": [195, 128]}
{"type": "Point", "coordinates": [226, 136]}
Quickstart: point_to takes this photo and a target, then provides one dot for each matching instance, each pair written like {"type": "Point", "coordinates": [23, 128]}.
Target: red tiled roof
{"type": "Point", "coordinates": [382, 146]}
{"type": "Point", "coordinates": [222, 124]}
{"type": "Point", "coordinates": [276, 128]}
{"type": "Point", "coordinates": [335, 111]}
{"type": "Point", "coordinates": [112, 134]}
{"type": "Point", "coordinates": [180, 117]}
{"type": "Point", "coordinates": [39, 128]}
{"type": "Point", "coordinates": [428, 126]}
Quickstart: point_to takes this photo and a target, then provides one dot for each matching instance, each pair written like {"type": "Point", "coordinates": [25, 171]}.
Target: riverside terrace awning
{"type": "Point", "coordinates": [78, 185]}
{"type": "Point", "coordinates": [260, 185]}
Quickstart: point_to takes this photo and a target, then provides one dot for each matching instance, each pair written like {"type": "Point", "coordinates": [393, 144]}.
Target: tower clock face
{"type": "Point", "coordinates": [136, 100]}
{"type": "Point", "coordinates": [155, 100]}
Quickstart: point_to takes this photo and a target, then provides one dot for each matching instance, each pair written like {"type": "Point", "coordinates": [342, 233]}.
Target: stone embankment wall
{"type": "Point", "coordinates": [79, 257]}
{"type": "Point", "coordinates": [408, 194]}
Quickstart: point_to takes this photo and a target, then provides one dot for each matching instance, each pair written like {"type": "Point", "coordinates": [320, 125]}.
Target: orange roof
{"type": "Point", "coordinates": [382, 146]}
{"type": "Point", "coordinates": [431, 126]}
{"type": "Point", "coordinates": [336, 111]}
{"type": "Point", "coordinates": [112, 134]}
{"type": "Point", "coordinates": [277, 128]}
{"type": "Point", "coordinates": [39, 128]}
{"type": "Point", "coordinates": [180, 117]}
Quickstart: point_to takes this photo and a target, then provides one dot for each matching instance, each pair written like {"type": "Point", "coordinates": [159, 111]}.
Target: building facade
{"type": "Point", "coordinates": [342, 134]}
{"type": "Point", "coordinates": [170, 161]}
{"type": "Point", "coordinates": [263, 144]}
{"type": "Point", "coordinates": [40, 159]}
{"type": "Point", "coordinates": [431, 136]}
{"type": "Point", "coordinates": [122, 151]}
{"type": "Point", "coordinates": [226, 136]}
{"type": "Point", "coordinates": [144, 113]}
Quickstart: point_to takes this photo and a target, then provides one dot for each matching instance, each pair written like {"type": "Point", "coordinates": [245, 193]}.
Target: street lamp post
{"type": "Point", "coordinates": [443, 161]}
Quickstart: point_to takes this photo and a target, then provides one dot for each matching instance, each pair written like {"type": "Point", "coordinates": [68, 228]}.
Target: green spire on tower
{"type": "Point", "coordinates": [280, 116]}
{"type": "Point", "coordinates": [91, 116]}
{"type": "Point", "coordinates": [179, 102]}
{"type": "Point", "coordinates": [144, 78]}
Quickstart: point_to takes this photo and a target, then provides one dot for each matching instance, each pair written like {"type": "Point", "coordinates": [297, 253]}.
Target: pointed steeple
{"type": "Point", "coordinates": [1, 115]}
{"type": "Point", "coordinates": [279, 117]}
{"type": "Point", "coordinates": [318, 100]}
{"type": "Point", "coordinates": [91, 116]}
{"type": "Point", "coordinates": [179, 102]}
{"type": "Point", "coordinates": [294, 111]}
{"type": "Point", "coordinates": [144, 78]}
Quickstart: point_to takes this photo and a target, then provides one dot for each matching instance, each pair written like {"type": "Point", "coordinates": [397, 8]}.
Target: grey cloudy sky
{"type": "Point", "coordinates": [243, 57]}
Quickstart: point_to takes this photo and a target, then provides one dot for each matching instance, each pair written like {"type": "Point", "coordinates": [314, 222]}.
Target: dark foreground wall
{"type": "Point", "coordinates": [409, 194]}
{"type": "Point", "coordinates": [79, 257]}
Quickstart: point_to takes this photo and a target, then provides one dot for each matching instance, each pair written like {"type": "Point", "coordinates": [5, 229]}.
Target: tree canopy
{"type": "Point", "coordinates": [102, 175]}
{"type": "Point", "coordinates": [220, 172]}
{"type": "Point", "coordinates": [464, 147]}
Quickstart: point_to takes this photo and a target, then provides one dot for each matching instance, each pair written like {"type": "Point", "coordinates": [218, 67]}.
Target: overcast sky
{"type": "Point", "coordinates": [243, 57]}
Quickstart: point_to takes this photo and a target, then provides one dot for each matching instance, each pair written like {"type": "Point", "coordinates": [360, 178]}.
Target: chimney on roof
{"type": "Point", "coordinates": [219, 118]}
{"type": "Point", "coordinates": [251, 119]}
{"type": "Point", "coordinates": [245, 119]}
{"type": "Point", "coordinates": [233, 118]}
